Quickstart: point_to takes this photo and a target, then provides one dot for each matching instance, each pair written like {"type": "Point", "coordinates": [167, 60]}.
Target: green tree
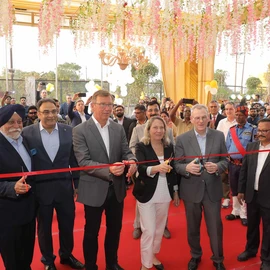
{"type": "Point", "coordinates": [220, 76]}
{"type": "Point", "coordinates": [69, 71]}
{"type": "Point", "coordinates": [223, 90]}
{"type": "Point", "coordinates": [252, 84]}
{"type": "Point", "coordinates": [142, 77]}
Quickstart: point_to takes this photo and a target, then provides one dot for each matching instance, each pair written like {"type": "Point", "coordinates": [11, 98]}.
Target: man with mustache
{"type": "Point", "coordinates": [17, 208]}
{"type": "Point", "coordinates": [253, 188]}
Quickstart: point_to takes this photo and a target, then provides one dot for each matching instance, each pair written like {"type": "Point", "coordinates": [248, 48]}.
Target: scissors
{"type": "Point", "coordinates": [168, 161]}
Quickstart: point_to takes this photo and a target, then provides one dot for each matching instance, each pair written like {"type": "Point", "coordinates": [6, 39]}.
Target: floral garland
{"type": "Point", "coordinates": [194, 29]}
{"type": "Point", "coordinates": [6, 19]}
{"type": "Point", "coordinates": [50, 21]}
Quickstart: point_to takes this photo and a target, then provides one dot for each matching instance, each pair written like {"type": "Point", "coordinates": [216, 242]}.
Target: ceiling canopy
{"type": "Point", "coordinates": [194, 29]}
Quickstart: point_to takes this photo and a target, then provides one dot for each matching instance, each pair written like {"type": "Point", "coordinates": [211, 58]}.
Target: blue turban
{"type": "Point", "coordinates": [7, 111]}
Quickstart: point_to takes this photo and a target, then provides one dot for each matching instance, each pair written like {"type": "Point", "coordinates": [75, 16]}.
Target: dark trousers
{"type": "Point", "coordinates": [213, 224]}
{"type": "Point", "coordinates": [255, 214]}
{"type": "Point", "coordinates": [225, 185]}
{"type": "Point", "coordinates": [65, 212]}
{"type": "Point", "coordinates": [114, 213]}
{"type": "Point", "coordinates": [234, 172]}
{"type": "Point", "coordinates": [17, 246]}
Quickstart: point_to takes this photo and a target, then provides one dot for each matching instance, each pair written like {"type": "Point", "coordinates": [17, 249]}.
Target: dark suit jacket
{"type": "Point", "coordinates": [56, 186]}
{"type": "Point", "coordinates": [126, 124]}
{"type": "Point", "coordinates": [145, 186]}
{"type": "Point", "coordinates": [247, 177]}
{"type": "Point", "coordinates": [90, 150]}
{"type": "Point", "coordinates": [75, 116]}
{"type": "Point", "coordinates": [15, 210]}
{"type": "Point", "coordinates": [192, 188]}
{"type": "Point", "coordinates": [218, 118]}
{"type": "Point", "coordinates": [64, 110]}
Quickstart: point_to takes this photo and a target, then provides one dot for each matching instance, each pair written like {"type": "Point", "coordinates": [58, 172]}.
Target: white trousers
{"type": "Point", "coordinates": [238, 209]}
{"type": "Point", "coordinates": [153, 217]}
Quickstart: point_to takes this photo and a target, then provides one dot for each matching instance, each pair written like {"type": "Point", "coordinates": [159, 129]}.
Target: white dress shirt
{"type": "Point", "coordinates": [261, 160]}
{"type": "Point", "coordinates": [104, 132]}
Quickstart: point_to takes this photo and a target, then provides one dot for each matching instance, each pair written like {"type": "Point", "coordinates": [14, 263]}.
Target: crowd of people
{"type": "Point", "coordinates": [210, 157]}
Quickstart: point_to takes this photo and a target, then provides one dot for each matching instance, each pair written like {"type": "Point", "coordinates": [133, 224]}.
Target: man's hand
{"type": "Point", "coordinates": [76, 96]}
{"type": "Point", "coordinates": [176, 200]}
{"type": "Point", "coordinates": [193, 168]}
{"type": "Point", "coordinates": [210, 167]}
{"type": "Point", "coordinates": [75, 194]}
{"type": "Point", "coordinates": [132, 167]}
{"type": "Point", "coordinates": [21, 187]}
{"type": "Point", "coordinates": [117, 168]}
{"type": "Point", "coordinates": [241, 198]}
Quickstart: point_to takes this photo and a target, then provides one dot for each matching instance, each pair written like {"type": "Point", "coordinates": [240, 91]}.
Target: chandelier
{"type": "Point", "coordinates": [124, 55]}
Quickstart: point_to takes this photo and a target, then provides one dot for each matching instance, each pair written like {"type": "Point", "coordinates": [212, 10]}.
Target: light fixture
{"type": "Point", "coordinates": [124, 55]}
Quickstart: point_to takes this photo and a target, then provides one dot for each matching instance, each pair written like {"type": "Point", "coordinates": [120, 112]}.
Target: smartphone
{"type": "Point", "coordinates": [82, 95]}
{"type": "Point", "coordinates": [188, 100]}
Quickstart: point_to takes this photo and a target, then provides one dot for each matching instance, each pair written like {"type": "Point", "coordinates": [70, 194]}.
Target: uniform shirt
{"type": "Point", "coordinates": [245, 135]}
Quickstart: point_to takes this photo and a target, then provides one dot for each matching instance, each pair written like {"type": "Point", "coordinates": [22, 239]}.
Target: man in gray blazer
{"type": "Point", "coordinates": [201, 160]}
{"type": "Point", "coordinates": [100, 142]}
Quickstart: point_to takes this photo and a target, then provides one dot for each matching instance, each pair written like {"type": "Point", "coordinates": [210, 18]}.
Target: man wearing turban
{"type": "Point", "coordinates": [17, 208]}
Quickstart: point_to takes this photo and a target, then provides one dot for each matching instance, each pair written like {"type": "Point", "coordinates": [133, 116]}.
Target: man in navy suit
{"type": "Point", "coordinates": [64, 107]}
{"type": "Point", "coordinates": [17, 207]}
{"type": "Point", "coordinates": [52, 143]}
{"type": "Point", "coordinates": [80, 115]}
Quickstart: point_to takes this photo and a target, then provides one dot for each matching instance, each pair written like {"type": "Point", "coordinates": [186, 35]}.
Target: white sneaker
{"type": "Point", "coordinates": [226, 203]}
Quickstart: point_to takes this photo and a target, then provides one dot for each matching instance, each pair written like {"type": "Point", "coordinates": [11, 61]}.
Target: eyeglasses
{"type": "Point", "coordinates": [213, 106]}
{"type": "Point", "coordinates": [263, 131]}
{"type": "Point", "coordinates": [12, 122]}
{"type": "Point", "coordinates": [46, 112]}
{"type": "Point", "coordinates": [104, 105]}
{"type": "Point", "coordinates": [32, 113]}
{"type": "Point", "coordinates": [203, 118]}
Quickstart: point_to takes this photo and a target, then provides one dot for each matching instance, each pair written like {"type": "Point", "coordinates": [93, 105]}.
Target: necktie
{"type": "Point", "coordinates": [214, 118]}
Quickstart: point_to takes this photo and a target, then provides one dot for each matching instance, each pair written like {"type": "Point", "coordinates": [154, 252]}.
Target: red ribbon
{"type": "Point", "coordinates": [86, 168]}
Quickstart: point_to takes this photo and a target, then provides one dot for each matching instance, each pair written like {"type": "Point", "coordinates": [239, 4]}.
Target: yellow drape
{"type": "Point", "coordinates": [186, 79]}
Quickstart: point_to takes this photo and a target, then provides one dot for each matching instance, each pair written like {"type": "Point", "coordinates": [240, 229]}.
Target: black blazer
{"type": "Point", "coordinates": [74, 115]}
{"type": "Point", "coordinates": [126, 124]}
{"type": "Point", "coordinates": [145, 186]}
{"type": "Point", "coordinates": [219, 117]}
{"type": "Point", "coordinates": [15, 210]}
{"type": "Point", "coordinates": [247, 177]}
{"type": "Point", "coordinates": [55, 186]}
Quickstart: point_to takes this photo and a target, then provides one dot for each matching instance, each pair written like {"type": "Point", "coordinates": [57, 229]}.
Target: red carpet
{"type": "Point", "coordinates": [174, 252]}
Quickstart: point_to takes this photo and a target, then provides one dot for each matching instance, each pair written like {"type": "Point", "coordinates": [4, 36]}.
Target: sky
{"type": "Point", "coordinates": [27, 56]}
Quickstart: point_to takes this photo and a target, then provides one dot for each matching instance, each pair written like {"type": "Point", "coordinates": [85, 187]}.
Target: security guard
{"type": "Point", "coordinates": [238, 137]}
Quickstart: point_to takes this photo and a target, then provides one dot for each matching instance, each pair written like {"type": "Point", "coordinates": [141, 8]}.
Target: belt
{"type": "Point", "coordinates": [237, 162]}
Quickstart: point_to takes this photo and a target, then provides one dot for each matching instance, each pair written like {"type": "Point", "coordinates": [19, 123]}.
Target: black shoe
{"type": "Point", "coordinates": [114, 267]}
{"type": "Point", "coordinates": [159, 266]}
{"type": "Point", "coordinates": [72, 262]}
{"type": "Point", "coordinates": [244, 256]}
{"type": "Point", "coordinates": [167, 233]}
{"type": "Point", "coordinates": [193, 263]}
{"type": "Point", "coordinates": [265, 266]}
{"type": "Point", "coordinates": [50, 267]}
{"type": "Point", "coordinates": [231, 217]}
{"type": "Point", "coordinates": [219, 266]}
{"type": "Point", "coordinates": [244, 221]}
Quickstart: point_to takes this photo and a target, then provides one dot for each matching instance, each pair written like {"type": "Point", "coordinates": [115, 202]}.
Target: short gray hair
{"type": "Point", "coordinates": [199, 107]}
